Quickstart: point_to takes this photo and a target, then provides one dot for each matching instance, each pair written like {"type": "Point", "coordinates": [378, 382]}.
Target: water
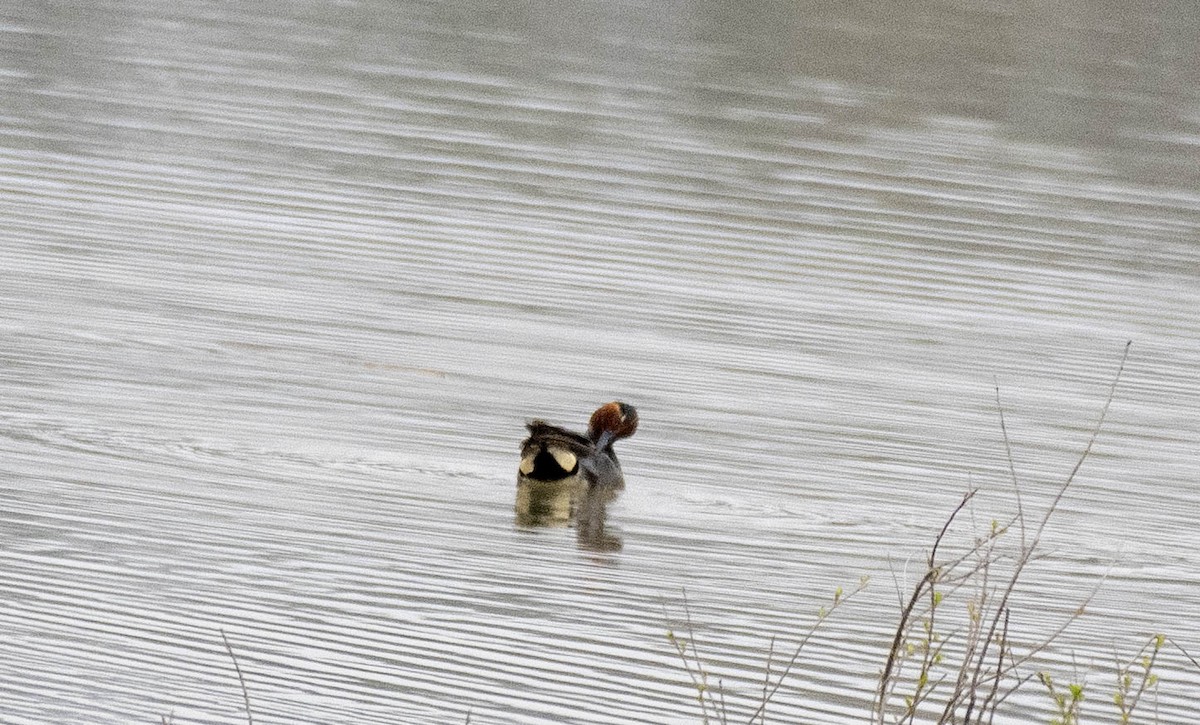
{"type": "Point", "coordinates": [282, 283]}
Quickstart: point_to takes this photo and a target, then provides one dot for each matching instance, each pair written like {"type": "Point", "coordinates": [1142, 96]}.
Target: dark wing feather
{"type": "Point", "coordinates": [542, 432]}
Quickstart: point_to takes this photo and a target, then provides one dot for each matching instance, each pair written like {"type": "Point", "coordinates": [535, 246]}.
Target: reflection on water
{"type": "Point", "coordinates": [548, 503]}
{"type": "Point", "coordinates": [278, 280]}
{"type": "Point", "coordinates": [569, 503]}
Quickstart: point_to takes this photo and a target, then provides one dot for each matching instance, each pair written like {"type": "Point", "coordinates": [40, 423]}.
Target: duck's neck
{"type": "Point", "coordinates": [604, 440]}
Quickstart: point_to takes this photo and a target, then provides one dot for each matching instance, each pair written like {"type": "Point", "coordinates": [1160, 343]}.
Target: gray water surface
{"type": "Point", "coordinates": [280, 284]}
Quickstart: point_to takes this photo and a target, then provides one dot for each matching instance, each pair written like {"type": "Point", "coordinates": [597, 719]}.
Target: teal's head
{"type": "Point", "coordinates": [612, 421]}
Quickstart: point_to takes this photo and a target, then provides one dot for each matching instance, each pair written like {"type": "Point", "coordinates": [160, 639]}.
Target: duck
{"type": "Point", "coordinates": [556, 455]}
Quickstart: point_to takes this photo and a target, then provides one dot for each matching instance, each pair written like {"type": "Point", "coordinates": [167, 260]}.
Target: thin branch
{"type": "Point", "coordinates": [1027, 549]}
{"type": "Point", "coordinates": [698, 676]}
{"type": "Point", "coordinates": [1012, 469]}
{"type": "Point", "coordinates": [931, 574]}
{"type": "Point", "coordinates": [896, 581]}
{"type": "Point", "coordinates": [1128, 705]}
{"type": "Point", "coordinates": [1185, 652]}
{"type": "Point", "coordinates": [766, 683]}
{"type": "Point", "coordinates": [704, 692]}
{"type": "Point", "coordinates": [242, 680]}
{"type": "Point", "coordinates": [1112, 391]}
{"type": "Point", "coordinates": [946, 526]}
{"type": "Point", "coordinates": [1000, 670]}
{"type": "Point", "coordinates": [838, 600]}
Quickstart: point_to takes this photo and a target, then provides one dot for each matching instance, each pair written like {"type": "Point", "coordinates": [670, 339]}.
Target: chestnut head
{"type": "Point", "coordinates": [616, 419]}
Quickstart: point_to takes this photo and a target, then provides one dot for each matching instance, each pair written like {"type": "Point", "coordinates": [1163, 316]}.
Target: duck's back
{"type": "Point", "coordinates": [551, 453]}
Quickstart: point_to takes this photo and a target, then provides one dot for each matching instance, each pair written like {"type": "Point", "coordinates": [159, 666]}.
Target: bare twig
{"type": "Point", "coordinates": [1003, 648]}
{"type": "Point", "coordinates": [242, 680]}
{"type": "Point", "coordinates": [839, 598]}
{"type": "Point", "coordinates": [931, 575]}
{"type": "Point", "coordinates": [1127, 702]}
{"type": "Point", "coordinates": [1185, 652]}
{"type": "Point", "coordinates": [703, 686]}
{"type": "Point", "coordinates": [1012, 469]}
{"type": "Point", "coordinates": [990, 670]}
{"type": "Point", "coordinates": [1028, 548]}
{"type": "Point", "coordinates": [980, 680]}
{"type": "Point", "coordinates": [693, 665]}
{"type": "Point", "coordinates": [766, 682]}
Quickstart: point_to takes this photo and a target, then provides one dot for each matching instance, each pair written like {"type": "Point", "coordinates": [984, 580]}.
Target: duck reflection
{"type": "Point", "coordinates": [566, 478]}
{"type": "Point", "coordinates": [554, 504]}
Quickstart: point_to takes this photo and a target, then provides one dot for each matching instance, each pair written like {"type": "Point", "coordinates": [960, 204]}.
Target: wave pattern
{"type": "Point", "coordinates": [275, 311]}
